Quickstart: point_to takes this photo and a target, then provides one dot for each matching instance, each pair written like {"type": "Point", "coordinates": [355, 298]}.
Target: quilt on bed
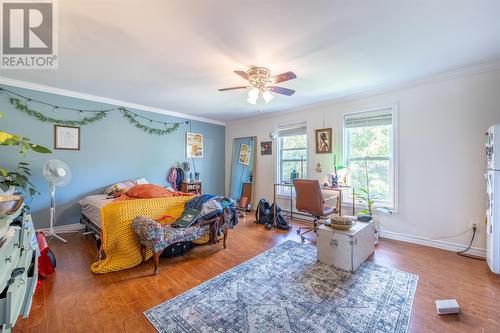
{"type": "Point", "coordinates": [119, 242]}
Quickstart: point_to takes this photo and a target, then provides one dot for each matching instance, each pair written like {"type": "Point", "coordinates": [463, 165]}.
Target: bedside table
{"type": "Point", "coordinates": [191, 187]}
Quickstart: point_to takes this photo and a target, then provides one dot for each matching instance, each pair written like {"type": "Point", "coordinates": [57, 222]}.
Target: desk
{"type": "Point", "coordinates": [338, 189]}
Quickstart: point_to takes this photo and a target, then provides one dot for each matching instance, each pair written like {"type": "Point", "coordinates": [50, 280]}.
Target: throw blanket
{"type": "Point", "coordinates": [119, 242]}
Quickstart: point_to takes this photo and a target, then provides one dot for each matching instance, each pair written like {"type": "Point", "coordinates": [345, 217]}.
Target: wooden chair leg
{"type": "Point", "coordinates": [143, 253]}
{"type": "Point", "coordinates": [156, 260]}
{"type": "Point", "coordinates": [225, 237]}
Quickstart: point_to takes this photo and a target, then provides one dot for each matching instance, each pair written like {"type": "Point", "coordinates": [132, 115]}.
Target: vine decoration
{"type": "Point", "coordinates": [19, 105]}
{"type": "Point", "coordinates": [131, 117]}
{"type": "Point", "coordinates": [17, 101]}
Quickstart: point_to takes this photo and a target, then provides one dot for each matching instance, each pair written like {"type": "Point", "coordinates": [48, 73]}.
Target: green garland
{"type": "Point", "coordinates": [24, 108]}
{"type": "Point", "coordinates": [19, 105]}
{"type": "Point", "coordinates": [147, 129]}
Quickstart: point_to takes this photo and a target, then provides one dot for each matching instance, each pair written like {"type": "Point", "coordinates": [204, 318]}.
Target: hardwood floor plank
{"type": "Point", "coordinates": [75, 300]}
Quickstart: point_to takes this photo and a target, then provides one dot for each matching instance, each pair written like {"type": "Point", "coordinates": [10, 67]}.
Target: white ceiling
{"type": "Point", "coordinates": [175, 54]}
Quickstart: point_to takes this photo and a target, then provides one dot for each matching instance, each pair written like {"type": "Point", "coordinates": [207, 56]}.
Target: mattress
{"type": "Point", "coordinates": [91, 207]}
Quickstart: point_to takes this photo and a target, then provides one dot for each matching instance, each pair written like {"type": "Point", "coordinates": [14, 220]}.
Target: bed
{"type": "Point", "coordinates": [91, 211]}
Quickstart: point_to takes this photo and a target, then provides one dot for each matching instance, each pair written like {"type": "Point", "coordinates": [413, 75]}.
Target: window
{"type": "Point", "coordinates": [292, 152]}
{"type": "Point", "coordinates": [369, 139]}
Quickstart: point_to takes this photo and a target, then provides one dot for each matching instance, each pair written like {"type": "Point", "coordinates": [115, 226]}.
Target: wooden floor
{"type": "Point", "coordinates": [75, 300]}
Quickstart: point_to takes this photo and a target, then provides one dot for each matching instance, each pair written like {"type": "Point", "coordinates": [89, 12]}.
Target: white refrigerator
{"type": "Point", "coordinates": [493, 193]}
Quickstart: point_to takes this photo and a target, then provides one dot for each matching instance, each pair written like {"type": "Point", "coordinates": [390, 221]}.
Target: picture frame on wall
{"type": "Point", "coordinates": [324, 141]}
{"type": "Point", "coordinates": [66, 137]}
{"type": "Point", "coordinates": [266, 148]}
{"type": "Point", "coordinates": [194, 145]}
{"type": "Point", "coordinates": [245, 154]}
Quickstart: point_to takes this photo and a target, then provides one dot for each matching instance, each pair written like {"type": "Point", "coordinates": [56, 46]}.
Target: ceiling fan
{"type": "Point", "coordinates": [261, 81]}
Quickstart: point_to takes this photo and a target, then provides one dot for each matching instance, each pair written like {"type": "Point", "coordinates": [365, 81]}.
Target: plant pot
{"type": "Point", "coordinates": [9, 206]}
{"type": "Point", "coordinates": [10, 191]}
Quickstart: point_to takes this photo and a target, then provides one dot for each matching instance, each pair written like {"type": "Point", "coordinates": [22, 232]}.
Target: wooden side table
{"type": "Point", "coordinates": [191, 187]}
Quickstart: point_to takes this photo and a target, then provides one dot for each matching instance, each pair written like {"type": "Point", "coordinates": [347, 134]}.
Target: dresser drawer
{"type": "Point", "coordinates": [32, 275]}
{"type": "Point", "coordinates": [10, 251]}
{"type": "Point", "coordinates": [12, 298]}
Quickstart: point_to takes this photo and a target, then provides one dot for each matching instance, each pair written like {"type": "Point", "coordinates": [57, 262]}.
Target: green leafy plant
{"type": "Point", "coordinates": [368, 198]}
{"type": "Point", "coordinates": [20, 176]}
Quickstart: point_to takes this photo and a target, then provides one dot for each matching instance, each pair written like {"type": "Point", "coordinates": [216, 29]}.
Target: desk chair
{"type": "Point", "coordinates": [309, 199]}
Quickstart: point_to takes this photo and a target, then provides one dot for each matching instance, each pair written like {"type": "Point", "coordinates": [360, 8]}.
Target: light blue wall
{"type": "Point", "coordinates": [111, 150]}
{"type": "Point", "coordinates": [240, 172]}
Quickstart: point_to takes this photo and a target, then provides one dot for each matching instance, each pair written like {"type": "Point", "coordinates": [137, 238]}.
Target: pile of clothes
{"type": "Point", "coordinates": [158, 237]}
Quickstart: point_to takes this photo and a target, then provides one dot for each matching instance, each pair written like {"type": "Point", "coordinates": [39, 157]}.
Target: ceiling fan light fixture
{"type": "Point", "coordinates": [253, 94]}
{"type": "Point", "coordinates": [252, 101]}
{"type": "Point", "coordinates": [267, 96]}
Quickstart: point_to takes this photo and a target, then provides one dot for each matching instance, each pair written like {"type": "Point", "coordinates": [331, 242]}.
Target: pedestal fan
{"type": "Point", "coordinates": [57, 173]}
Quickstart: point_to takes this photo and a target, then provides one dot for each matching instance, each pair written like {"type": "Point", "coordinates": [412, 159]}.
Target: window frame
{"type": "Point", "coordinates": [282, 191]}
{"type": "Point", "coordinates": [394, 177]}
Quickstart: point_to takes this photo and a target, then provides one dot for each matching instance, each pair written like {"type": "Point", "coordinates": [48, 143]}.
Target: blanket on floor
{"type": "Point", "coordinates": [119, 242]}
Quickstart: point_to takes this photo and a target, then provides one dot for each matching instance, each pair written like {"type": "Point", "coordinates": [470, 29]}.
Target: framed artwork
{"type": "Point", "coordinates": [266, 148]}
{"type": "Point", "coordinates": [245, 154]}
{"type": "Point", "coordinates": [324, 141]}
{"type": "Point", "coordinates": [194, 145]}
{"type": "Point", "coordinates": [66, 137]}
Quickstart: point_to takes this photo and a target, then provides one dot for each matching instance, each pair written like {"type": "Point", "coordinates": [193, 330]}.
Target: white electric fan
{"type": "Point", "coordinates": [57, 173]}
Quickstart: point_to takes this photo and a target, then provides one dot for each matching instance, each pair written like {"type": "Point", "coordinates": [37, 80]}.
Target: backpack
{"type": "Point", "coordinates": [264, 214]}
{"type": "Point", "coordinates": [281, 222]}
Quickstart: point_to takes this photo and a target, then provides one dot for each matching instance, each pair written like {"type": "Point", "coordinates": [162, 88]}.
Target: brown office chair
{"type": "Point", "coordinates": [310, 200]}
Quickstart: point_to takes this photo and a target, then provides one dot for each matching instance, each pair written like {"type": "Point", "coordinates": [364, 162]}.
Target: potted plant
{"type": "Point", "coordinates": [365, 196]}
{"type": "Point", "coordinates": [19, 177]}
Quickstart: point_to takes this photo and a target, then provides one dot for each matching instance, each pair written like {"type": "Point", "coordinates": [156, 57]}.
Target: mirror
{"type": "Point", "coordinates": [242, 179]}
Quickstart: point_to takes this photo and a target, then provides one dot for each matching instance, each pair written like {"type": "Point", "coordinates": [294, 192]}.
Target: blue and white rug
{"type": "Point", "coordinates": [286, 290]}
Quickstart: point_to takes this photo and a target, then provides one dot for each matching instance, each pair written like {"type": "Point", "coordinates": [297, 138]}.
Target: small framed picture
{"type": "Point", "coordinates": [66, 137]}
{"type": "Point", "coordinates": [266, 148]}
{"type": "Point", "coordinates": [324, 141]}
{"type": "Point", "coordinates": [194, 145]}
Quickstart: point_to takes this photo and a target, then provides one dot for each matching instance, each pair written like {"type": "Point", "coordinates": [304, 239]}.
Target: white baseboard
{"type": "Point", "coordinates": [64, 229]}
{"type": "Point", "coordinates": [432, 243]}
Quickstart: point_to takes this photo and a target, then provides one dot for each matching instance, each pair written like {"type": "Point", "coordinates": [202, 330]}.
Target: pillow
{"type": "Point", "coordinates": [141, 181]}
{"type": "Point", "coordinates": [120, 186]}
{"type": "Point", "coordinates": [145, 191]}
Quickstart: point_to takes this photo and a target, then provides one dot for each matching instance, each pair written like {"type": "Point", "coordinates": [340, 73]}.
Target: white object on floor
{"type": "Point", "coordinates": [493, 193]}
{"type": "Point", "coordinates": [447, 306]}
{"type": "Point", "coordinates": [345, 249]}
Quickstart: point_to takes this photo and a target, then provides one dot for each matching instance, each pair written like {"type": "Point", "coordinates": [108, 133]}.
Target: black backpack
{"type": "Point", "coordinates": [265, 215]}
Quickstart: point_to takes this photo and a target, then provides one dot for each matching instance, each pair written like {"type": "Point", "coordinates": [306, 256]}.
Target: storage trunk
{"type": "Point", "coordinates": [346, 249]}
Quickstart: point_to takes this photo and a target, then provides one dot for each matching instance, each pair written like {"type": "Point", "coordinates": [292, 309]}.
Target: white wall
{"type": "Point", "coordinates": [441, 151]}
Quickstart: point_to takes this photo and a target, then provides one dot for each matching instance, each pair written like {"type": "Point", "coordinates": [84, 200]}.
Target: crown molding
{"type": "Point", "coordinates": [464, 71]}
{"type": "Point", "coordinates": [104, 100]}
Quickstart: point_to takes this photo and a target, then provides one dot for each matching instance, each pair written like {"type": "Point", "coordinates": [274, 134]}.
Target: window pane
{"type": "Point", "coordinates": [296, 141]}
{"type": "Point", "coordinates": [370, 141]}
{"type": "Point", "coordinates": [379, 172]}
{"type": "Point", "coordinates": [288, 166]}
{"type": "Point", "coordinates": [294, 154]}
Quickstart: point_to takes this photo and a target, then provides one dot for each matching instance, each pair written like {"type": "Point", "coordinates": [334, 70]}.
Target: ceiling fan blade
{"type": "Point", "coordinates": [243, 75]}
{"type": "Point", "coordinates": [283, 77]}
{"type": "Point", "coordinates": [234, 88]}
{"type": "Point", "coordinates": [281, 90]}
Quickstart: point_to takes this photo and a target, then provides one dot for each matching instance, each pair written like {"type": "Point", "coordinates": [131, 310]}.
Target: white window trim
{"type": "Point", "coordinates": [285, 193]}
{"type": "Point", "coordinates": [395, 151]}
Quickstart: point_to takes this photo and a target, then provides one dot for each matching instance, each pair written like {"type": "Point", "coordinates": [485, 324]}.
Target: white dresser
{"type": "Point", "coordinates": [18, 270]}
{"type": "Point", "coordinates": [346, 249]}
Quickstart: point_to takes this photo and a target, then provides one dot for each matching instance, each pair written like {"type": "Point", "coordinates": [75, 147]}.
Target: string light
{"type": "Point", "coordinates": [55, 108]}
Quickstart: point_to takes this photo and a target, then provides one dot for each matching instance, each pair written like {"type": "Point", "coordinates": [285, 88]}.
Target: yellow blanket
{"type": "Point", "coordinates": [119, 242]}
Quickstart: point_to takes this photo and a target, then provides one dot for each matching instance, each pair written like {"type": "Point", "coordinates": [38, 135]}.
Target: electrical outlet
{"type": "Point", "coordinates": [473, 225]}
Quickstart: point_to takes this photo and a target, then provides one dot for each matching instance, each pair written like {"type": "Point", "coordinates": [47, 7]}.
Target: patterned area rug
{"type": "Point", "coordinates": [286, 290]}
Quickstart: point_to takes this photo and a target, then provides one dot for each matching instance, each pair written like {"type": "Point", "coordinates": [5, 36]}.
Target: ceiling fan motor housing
{"type": "Point", "coordinates": [259, 76]}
